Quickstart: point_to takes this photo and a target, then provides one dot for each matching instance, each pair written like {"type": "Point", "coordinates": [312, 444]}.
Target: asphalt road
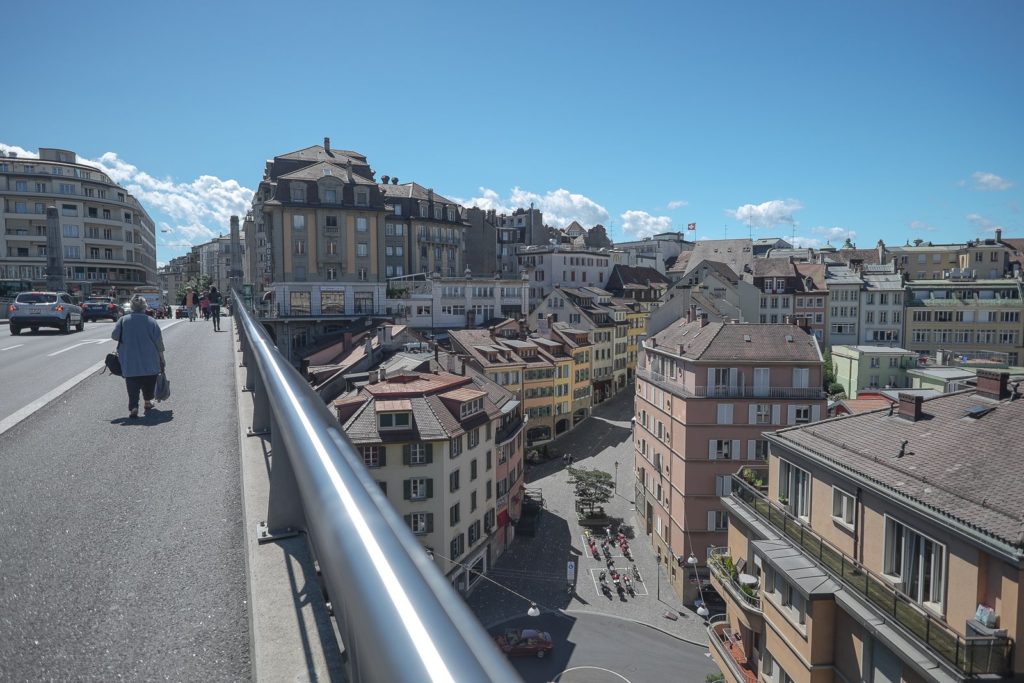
{"type": "Point", "coordinates": [33, 364]}
{"type": "Point", "coordinates": [121, 542]}
{"type": "Point", "coordinates": [593, 648]}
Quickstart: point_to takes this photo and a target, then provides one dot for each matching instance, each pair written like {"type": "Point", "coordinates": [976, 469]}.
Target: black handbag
{"type": "Point", "coordinates": [113, 361]}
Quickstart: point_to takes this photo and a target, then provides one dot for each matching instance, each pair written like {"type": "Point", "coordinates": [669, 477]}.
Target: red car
{"type": "Point", "coordinates": [525, 641]}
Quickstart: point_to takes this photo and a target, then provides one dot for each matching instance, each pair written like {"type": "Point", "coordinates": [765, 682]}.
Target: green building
{"type": "Point", "coordinates": [871, 368]}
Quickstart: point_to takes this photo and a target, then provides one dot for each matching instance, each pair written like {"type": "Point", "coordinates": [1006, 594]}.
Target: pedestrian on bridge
{"type": "Point", "coordinates": [189, 301]}
{"type": "Point", "coordinates": [214, 297]}
{"type": "Point", "coordinates": [140, 348]}
{"type": "Point", "coordinates": [204, 306]}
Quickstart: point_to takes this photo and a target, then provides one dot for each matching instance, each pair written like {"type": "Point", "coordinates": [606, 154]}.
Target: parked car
{"type": "Point", "coordinates": [180, 312]}
{"type": "Point", "coordinates": [525, 641]}
{"type": "Point", "coordinates": [45, 309]}
{"type": "Point", "coordinates": [97, 307]}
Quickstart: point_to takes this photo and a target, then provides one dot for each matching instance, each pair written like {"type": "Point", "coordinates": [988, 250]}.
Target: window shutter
{"type": "Point", "coordinates": [815, 413]}
{"type": "Point", "coordinates": [383, 456]}
{"type": "Point", "coordinates": [734, 453]}
{"type": "Point", "coordinates": [711, 377]}
{"type": "Point", "coordinates": [405, 454]}
{"type": "Point", "coordinates": [719, 484]}
{"type": "Point", "coordinates": [734, 377]}
{"type": "Point", "coordinates": [430, 453]}
{"type": "Point", "coordinates": [752, 413]}
{"type": "Point", "coordinates": [711, 449]}
{"type": "Point", "coordinates": [711, 520]}
{"type": "Point", "coordinates": [407, 490]}
{"type": "Point", "coordinates": [430, 522]}
{"type": "Point", "coordinates": [751, 449]}
{"type": "Point", "coordinates": [790, 415]}
{"type": "Point", "coordinates": [776, 415]}
{"type": "Point", "coordinates": [408, 520]}
{"type": "Point", "coordinates": [430, 488]}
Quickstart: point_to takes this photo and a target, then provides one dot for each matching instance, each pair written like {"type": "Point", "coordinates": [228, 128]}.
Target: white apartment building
{"type": "Point", "coordinates": [844, 287]}
{"type": "Point", "coordinates": [454, 303]}
{"type": "Point", "coordinates": [881, 306]}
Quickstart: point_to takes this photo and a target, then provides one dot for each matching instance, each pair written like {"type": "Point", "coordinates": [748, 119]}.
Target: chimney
{"type": "Point", "coordinates": [788, 319]}
{"type": "Point", "coordinates": [881, 251]}
{"type": "Point", "coordinates": [380, 336]}
{"type": "Point", "coordinates": [437, 351]}
{"type": "Point", "coordinates": [702, 317]}
{"type": "Point", "coordinates": [382, 375]}
{"type": "Point", "coordinates": [691, 314]}
{"type": "Point", "coordinates": [384, 179]}
{"type": "Point", "coordinates": [999, 234]}
{"type": "Point", "coordinates": [994, 385]}
{"type": "Point", "coordinates": [462, 365]}
{"type": "Point", "coordinates": [369, 347]}
{"type": "Point", "coordinates": [327, 146]}
{"type": "Point", "coordinates": [910, 407]}
{"type": "Point", "coordinates": [394, 180]}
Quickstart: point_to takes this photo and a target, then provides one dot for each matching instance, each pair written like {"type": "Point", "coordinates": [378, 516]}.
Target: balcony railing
{"type": "Point", "coordinates": [729, 650]}
{"type": "Point", "coordinates": [730, 391]}
{"type": "Point", "coordinates": [717, 561]}
{"type": "Point", "coordinates": [969, 655]}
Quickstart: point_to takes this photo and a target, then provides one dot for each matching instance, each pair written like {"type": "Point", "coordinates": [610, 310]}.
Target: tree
{"type": "Point", "coordinates": [200, 283]}
{"type": "Point", "coordinates": [828, 375]}
{"type": "Point", "coordinates": [593, 487]}
{"type": "Point", "coordinates": [597, 237]}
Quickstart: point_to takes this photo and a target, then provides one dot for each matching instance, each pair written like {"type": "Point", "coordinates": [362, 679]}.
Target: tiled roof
{"type": "Point", "coordinates": [814, 271]}
{"type": "Point", "coordinates": [954, 464]}
{"type": "Point", "coordinates": [773, 267]}
{"type": "Point", "coordinates": [463, 394]}
{"type": "Point", "coordinates": [621, 276]}
{"type": "Point", "coordinates": [318, 153]}
{"type": "Point", "coordinates": [412, 191]}
{"type": "Point", "coordinates": [315, 172]}
{"type": "Point", "coordinates": [393, 406]}
{"type": "Point", "coordinates": [737, 254]}
{"type": "Point", "coordinates": [681, 262]}
{"type": "Point", "coordinates": [729, 342]}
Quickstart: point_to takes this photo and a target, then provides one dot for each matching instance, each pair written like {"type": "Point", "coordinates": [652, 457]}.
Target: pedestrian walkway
{"type": "Point", "coordinates": [536, 567]}
{"type": "Point", "coordinates": [121, 541]}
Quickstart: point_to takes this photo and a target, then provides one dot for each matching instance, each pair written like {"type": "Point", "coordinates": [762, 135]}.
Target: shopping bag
{"type": "Point", "coordinates": [163, 388]}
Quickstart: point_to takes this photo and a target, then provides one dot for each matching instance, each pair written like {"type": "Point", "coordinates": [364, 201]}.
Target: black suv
{"type": "Point", "coordinates": [97, 307]}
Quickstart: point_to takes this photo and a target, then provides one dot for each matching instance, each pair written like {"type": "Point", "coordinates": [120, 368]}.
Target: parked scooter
{"type": "Point", "coordinates": [628, 584]}
{"type": "Point", "coordinates": [636, 574]}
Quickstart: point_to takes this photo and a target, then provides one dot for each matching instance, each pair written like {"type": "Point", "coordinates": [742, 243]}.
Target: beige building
{"type": "Point", "coordinates": [107, 237]}
{"type": "Point", "coordinates": [966, 316]}
{"type": "Point", "coordinates": [706, 393]}
{"type": "Point", "coordinates": [446, 450]}
{"type": "Point", "coordinates": [884, 546]}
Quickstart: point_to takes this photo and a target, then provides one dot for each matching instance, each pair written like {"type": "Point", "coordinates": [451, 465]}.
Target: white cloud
{"type": "Point", "coordinates": [805, 242]}
{"type": "Point", "coordinates": [677, 203]}
{"type": "Point", "coordinates": [560, 207]}
{"type": "Point", "coordinates": [922, 225]}
{"type": "Point", "coordinates": [768, 214]}
{"type": "Point", "coordinates": [836, 233]}
{"type": "Point", "coordinates": [23, 153]}
{"type": "Point", "coordinates": [982, 224]}
{"type": "Point", "coordinates": [640, 224]}
{"type": "Point", "coordinates": [990, 182]}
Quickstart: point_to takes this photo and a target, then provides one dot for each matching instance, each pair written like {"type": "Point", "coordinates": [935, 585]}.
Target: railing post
{"type": "Point", "coordinates": [260, 409]}
{"type": "Point", "coordinates": [285, 516]}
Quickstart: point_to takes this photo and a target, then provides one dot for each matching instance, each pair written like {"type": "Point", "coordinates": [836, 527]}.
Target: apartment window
{"type": "Point", "coordinates": [916, 562]}
{"type": "Point", "coordinates": [472, 508]}
{"type": "Point", "coordinates": [718, 520]}
{"type": "Point", "coordinates": [421, 522]}
{"type": "Point", "coordinates": [472, 470]}
{"type": "Point", "coordinates": [330, 197]}
{"type": "Point", "coordinates": [67, 188]}
{"type": "Point", "coordinates": [298, 192]}
{"type": "Point", "coordinates": [362, 249]}
{"type": "Point", "coordinates": [362, 198]}
{"type": "Point", "coordinates": [71, 231]}
{"type": "Point", "coordinates": [722, 449]}
{"type": "Point", "coordinates": [419, 488]}
{"type": "Point", "coordinates": [793, 602]}
{"type": "Point", "coordinates": [471, 407]}
{"type": "Point", "coordinates": [801, 378]}
{"type": "Point", "coordinates": [71, 252]}
{"type": "Point", "coordinates": [332, 247]}
{"type": "Point", "coordinates": [843, 507]}
{"type": "Point", "coordinates": [68, 210]}
{"type": "Point", "coordinates": [298, 222]}
{"type": "Point", "coordinates": [762, 413]}
{"type": "Point", "coordinates": [758, 449]}
{"type": "Point", "coordinates": [723, 485]}
{"type": "Point", "coordinates": [393, 420]}
{"type": "Point", "coordinates": [473, 438]}
{"type": "Point", "coordinates": [361, 224]}
{"type": "Point", "coordinates": [453, 481]}
{"type": "Point", "coordinates": [331, 221]}
{"type": "Point", "coordinates": [801, 415]}
{"type": "Point", "coordinates": [373, 456]}
{"type": "Point", "coordinates": [875, 362]}
{"type": "Point", "coordinates": [457, 546]}
{"type": "Point", "coordinates": [724, 415]}
{"type": "Point", "coordinates": [456, 447]}
{"type": "Point", "coordinates": [795, 489]}
{"type": "Point", "coordinates": [453, 515]}
{"type": "Point", "coordinates": [300, 247]}
{"type": "Point", "coordinates": [21, 185]}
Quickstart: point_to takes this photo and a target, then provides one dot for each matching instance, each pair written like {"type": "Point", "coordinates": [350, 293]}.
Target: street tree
{"type": "Point", "coordinates": [593, 487]}
{"type": "Point", "coordinates": [199, 283]}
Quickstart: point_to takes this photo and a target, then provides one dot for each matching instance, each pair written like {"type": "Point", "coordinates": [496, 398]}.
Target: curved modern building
{"type": "Point", "coordinates": [108, 239]}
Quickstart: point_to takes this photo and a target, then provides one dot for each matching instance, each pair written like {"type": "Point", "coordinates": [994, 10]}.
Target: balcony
{"type": "Point", "coordinates": [724, 571]}
{"type": "Point", "coordinates": [730, 651]}
{"type": "Point", "coordinates": [970, 656]}
{"type": "Point", "coordinates": [679, 388]}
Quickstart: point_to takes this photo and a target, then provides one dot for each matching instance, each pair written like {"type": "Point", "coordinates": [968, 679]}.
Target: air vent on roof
{"type": "Point", "coordinates": [789, 338]}
{"type": "Point", "coordinates": [746, 337]}
{"type": "Point", "coordinates": [978, 411]}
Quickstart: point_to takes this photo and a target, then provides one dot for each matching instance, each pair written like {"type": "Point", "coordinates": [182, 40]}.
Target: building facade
{"type": "Point", "coordinates": [870, 368]}
{"type": "Point", "coordinates": [107, 238]}
{"type": "Point", "coordinates": [868, 547]}
{"type": "Point", "coordinates": [706, 393]}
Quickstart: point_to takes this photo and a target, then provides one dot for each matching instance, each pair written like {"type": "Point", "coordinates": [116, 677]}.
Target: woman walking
{"type": "Point", "coordinates": [204, 306]}
{"type": "Point", "coordinates": [214, 298]}
{"type": "Point", "coordinates": [140, 348]}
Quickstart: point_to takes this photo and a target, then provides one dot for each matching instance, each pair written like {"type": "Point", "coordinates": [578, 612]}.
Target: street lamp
{"type": "Point", "coordinates": [532, 611]}
{"type": "Point", "coordinates": [615, 485]}
{"type": "Point", "coordinates": [702, 611]}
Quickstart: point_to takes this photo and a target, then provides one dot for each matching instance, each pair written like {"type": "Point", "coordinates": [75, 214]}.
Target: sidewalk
{"type": "Point", "coordinates": [536, 567]}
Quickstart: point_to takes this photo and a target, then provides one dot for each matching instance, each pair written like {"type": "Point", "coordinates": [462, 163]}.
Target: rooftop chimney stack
{"type": "Point", "coordinates": [702, 317]}
{"type": "Point", "coordinates": [910, 407]}
{"type": "Point", "coordinates": [993, 385]}
{"type": "Point", "coordinates": [999, 234]}
{"type": "Point", "coordinates": [327, 145]}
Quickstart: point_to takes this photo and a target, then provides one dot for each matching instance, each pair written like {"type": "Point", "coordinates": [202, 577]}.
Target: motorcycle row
{"type": "Point", "coordinates": [620, 580]}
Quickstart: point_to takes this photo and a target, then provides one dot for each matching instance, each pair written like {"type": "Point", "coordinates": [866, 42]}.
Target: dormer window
{"type": "Point", "coordinates": [394, 420]}
{"type": "Point", "coordinates": [298, 192]}
{"type": "Point", "coordinates": [362, 197]}
{"type": "Point", "coordinates": [471, 407]}
{"type": "Point", "coordinates": [424, 210]}
{"type": "Point", "coordinates": [330, 196]}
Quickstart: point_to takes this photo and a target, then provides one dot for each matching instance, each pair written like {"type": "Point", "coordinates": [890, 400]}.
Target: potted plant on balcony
{"type": "Point", "coordinates": [783, 500]}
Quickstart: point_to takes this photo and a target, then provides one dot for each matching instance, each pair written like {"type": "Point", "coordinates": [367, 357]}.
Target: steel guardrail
{"type": "Point", "coordinates": [399, 617]}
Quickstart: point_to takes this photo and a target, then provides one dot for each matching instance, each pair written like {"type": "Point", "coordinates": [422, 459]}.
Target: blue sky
{"type": "Point", "coordinates": [890, 120]}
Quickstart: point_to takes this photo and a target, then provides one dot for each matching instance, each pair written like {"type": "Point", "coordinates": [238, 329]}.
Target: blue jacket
{"type": "Point", "coordinates": [141, 344]}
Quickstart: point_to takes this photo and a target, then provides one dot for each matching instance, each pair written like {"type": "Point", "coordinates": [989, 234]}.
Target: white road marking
{"type": "Point", "coordinates": [171, 324]}
{"type": "Point", "coordinates": [76, 345]}
{"type": "Point", "coordinates": [35, 405]}
{"type": "Point", "coordinates": [595, 668]}
{"type": "Point", "coordinates": [12, 347]}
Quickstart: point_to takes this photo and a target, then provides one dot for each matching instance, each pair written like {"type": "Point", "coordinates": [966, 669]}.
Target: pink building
{"type": "Point", "coordinates": [705, 394]}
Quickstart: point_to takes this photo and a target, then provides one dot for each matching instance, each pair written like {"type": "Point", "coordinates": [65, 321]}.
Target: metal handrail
{"type": "Point", "coordinates": [398, 616]}
{"type": "Point", "coordinates": [971, 655]}
{"type": "Point", "coordinates": [718, 569]}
